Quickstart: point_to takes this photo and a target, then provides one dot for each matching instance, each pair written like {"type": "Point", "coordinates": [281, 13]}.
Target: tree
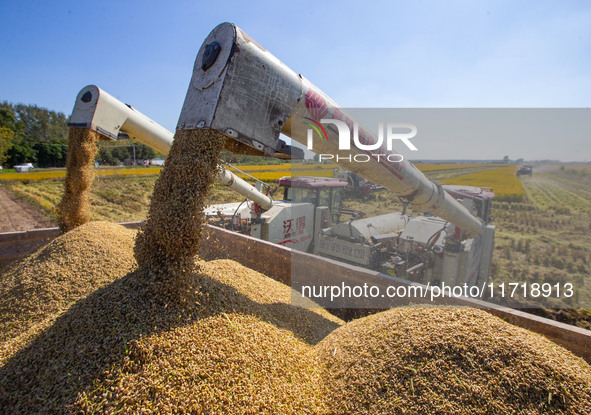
{"type": "Point", "coordinates": [40, 124]}
{"type": "Point", "coordinates": [7, 116]}
{"type": "Point", "coordinates": [51, 154]}
{"type": "Point", "coordinates": [6, 137]}
{"type": "Point", "coordinates": [21, 152]}
{"type": "Point", "coordinates": [143, 152]}
{"type": "Point", "coordinates": [39, 135]}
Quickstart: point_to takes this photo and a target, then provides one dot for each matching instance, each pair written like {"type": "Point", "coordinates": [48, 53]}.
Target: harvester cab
{"type": "Point", "coordinates": [319, 191]}
{"type": "Point", "coordinates": [308, 205]}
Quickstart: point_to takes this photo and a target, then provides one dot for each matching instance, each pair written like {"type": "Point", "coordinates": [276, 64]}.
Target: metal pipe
{"type": "Point", "coordinates": [97, 110]}
{"type": "Point", "coordinates": [247, 190]}
{"type": "Point", "coordinates": [415, 268]}
{"type": "Point", "coordinates": [100, 111]}
{"type": "Point", "coordinates": [247, 94]}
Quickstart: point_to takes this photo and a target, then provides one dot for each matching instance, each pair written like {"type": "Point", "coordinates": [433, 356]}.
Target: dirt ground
{"type": "Point", "coordinates": [17, 215]}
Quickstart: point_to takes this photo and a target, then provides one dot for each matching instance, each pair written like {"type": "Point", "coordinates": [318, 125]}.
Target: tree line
{"type": "Point", "coordinates": [31, 134]}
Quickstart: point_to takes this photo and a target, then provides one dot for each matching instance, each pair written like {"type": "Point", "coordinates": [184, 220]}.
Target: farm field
{"type": "Point", "coordinates": [502, 180]}
{"type": "Point", "coordinates": [542, 221]}
{"type": "Point", "coordinates": [546, 238]}
{"type": "Point", "coordinates": [122, 194]}
{"type": "Point", "coordinates": [262, 172]}
{"type": "Point", "coordinates": [113, 198]}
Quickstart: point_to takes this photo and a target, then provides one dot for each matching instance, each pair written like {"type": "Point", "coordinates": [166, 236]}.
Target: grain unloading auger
{"type": "Point", "coordinates": [246, 94]}
{"type": "Point", "coordinates": [99, 111]}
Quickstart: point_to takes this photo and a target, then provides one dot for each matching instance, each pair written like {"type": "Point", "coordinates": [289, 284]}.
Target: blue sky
{"type": "Point", "coordinates": [363, 54]}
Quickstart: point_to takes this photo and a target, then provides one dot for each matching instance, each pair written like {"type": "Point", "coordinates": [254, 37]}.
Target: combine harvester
{"type": "Point", "coordinates": [247, 97]}
{"type": "Point", "coordinates": [453, 247]}
{"type": "Point", "coordinates": [425, 249]}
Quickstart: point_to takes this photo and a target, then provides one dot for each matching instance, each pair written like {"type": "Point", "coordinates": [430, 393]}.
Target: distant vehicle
{"type": "Point", "coordinates": [157, 162]}
{"type": "Point", "coordinates": [25, 167]}
{"type": "Point", "coordinates": [526, 169]}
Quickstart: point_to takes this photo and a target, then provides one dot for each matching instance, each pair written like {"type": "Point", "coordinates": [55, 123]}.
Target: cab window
{"type": "Point", "coordinates": [297, 194]}
{"type": "Point", "coordinates": [335, 207]}
{"type": "Point", "coordinates": [324, 198]}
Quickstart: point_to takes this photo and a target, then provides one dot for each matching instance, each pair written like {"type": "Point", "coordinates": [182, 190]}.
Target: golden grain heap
{"type": "Point", "coordinates": [449, 360]}
{"type": "Point", "coordinates": [236, 346]}
{"type": "Point", "coordinates": [36, 288]}
{"type": "Point", "coordinates": [169, 241]}
{"type": "Point", "coordinates": [82, 148]}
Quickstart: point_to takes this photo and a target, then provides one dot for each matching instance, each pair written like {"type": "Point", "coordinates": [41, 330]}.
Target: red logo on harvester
{"type": "Point", "coordinates": [287, 227]}
{"type": "Point", "coordinates": [316, 105]}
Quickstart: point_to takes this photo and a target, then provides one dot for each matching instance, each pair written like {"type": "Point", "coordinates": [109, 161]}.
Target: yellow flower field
{"type": "Point", "coordinates": [503, 181]}
{"type": "Point", "coordinates": [36, 175]}
{"type": "Point", "coordinates": [58, 174]}
{"type": "Point", "coordinates": [275, 175]}
{"type": "Point", "coordinates": [286, 166]}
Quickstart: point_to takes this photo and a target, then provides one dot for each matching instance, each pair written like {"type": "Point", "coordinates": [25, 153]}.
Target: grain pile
{"type": "Point", "coordinates": [169, 241]}
{"type": "Point", "coordinates": [230, 363]}
{"type": "Point", "coordinates": [67, 269]}
{"type": "Point", "coordinates": [82, 148]}
{"type": "Point", "coordinates": [436, 360]}
{"type": "Point", "coordinates": [235, 346]}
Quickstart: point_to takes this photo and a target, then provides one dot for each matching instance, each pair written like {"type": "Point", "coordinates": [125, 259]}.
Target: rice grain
{"type": "Point", "coordinates": [449, 360]}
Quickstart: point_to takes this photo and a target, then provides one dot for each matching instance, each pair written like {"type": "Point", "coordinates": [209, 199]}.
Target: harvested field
{"type": "Point", "coordinates": [546, 240]}
{"type": "Point", "coordinates": [449, 360]}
